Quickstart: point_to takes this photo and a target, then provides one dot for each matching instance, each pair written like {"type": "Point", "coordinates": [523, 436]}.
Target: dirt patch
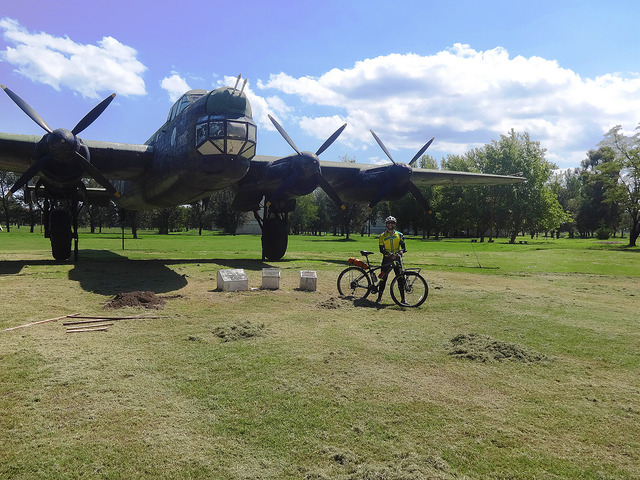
{"type": "Point", "coordinates": [331, 303]}
{"type": "Point", "coordinates": [136, 300]}
{"type": "Point", "coordinates": [483, 348]}
{"type": "Point", "coordinates": [240, 331]}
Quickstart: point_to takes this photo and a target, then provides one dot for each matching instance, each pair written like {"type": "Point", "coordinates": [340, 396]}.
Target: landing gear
{"type": "Point", "coordinates": [61, 213]}
{"type": "Point", "coordinates": [60, 235]}
{"type": "Point", "coordinates": [275, 229]}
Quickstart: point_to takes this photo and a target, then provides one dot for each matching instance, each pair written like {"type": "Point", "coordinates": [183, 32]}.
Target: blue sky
{"type": "Point", "coordinates": [465, 72]}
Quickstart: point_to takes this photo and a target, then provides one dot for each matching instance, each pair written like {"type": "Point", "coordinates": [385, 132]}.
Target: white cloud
{"type": "Point", "coordinates": [175, 86]}
{"type": "Point", "coordinates": [466, 98]}
{"type": "Point", "coordinates": [91, 70]}
{"type": "Point", "coordinates": [261, 106]}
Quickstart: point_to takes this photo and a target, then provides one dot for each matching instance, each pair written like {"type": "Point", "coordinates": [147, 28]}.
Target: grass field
{"type": "Point", "coordinates": [522, 364]}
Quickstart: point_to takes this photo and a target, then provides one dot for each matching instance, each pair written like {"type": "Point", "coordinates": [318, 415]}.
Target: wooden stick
{"type": "Point", "coordinates": [96, 325]}
{"type": "Point", "coordinates": [80, 330]}
{"type": "Point", "coordinates": [41, 321]}
{"type": "Point", "coordinates": [107, 318]}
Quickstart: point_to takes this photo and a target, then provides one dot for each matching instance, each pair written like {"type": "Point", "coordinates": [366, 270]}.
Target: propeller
{"type": "Point", "coordinates": [62, 145]}
{"type": "Point", "coordinates": [307, 164]}
{"type": "Point", "coordinates": [400, 173]}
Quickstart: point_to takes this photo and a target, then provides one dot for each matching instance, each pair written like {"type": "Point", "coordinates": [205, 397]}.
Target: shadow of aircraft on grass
{"type": "Point", "coordinates": [107, 273]}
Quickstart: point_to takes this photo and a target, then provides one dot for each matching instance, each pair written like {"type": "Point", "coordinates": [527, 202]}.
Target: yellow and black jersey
{"type": "Point", "coordinates": [391, 242]}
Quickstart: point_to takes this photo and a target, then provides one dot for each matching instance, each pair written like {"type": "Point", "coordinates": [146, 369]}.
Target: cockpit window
{"type": "Point", "coordinates": [237, 130]}
{"type": "Point", "coordinates": [218, 135]}
{"type": "Point", "coordinates": [217, 128]}
{"type": "Point", "coordinates": [184, 101]}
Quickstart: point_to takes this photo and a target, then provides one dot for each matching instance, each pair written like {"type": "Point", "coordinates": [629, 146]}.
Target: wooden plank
{"type": "Point", "coordinates": [80, 330]}
{"type": "Point", "coordinates": [96, 318]}
{"type": "Point", "coordinates": [95, 325]}
{"type": "Point", "coordinates": [41, 321]}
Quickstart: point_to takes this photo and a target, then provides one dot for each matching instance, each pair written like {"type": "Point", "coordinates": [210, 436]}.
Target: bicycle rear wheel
{"type": "Point", "coordinates": [354, 282]}
{"type": "Point", "coordinates": [415, 290]}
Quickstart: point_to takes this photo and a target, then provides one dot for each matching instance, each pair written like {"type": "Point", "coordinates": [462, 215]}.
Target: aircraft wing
{"type": "Point", "coordinates": [120, 161]}
{"type": "Point", "coordinates": [337, 173]}
{"type": "Point", "coordinates": [423, 177]}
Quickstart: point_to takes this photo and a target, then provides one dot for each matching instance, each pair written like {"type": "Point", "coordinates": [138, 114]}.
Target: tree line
{"type": "Point", "coordinates": [599, 198]}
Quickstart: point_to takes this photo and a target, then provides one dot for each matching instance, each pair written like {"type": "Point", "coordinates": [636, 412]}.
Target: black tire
{"type": "Point", "coordinates": [415, 291]}
{"type": "Point", "coordinates": [60, 235]}
{"type": "Point", "coordinates": [354, 282]}
{"type": "Point", "coordinates": [275, 236]}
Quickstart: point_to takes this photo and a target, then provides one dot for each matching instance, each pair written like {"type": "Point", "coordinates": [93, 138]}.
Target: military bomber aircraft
{"type": "Point", "coordinates": [207, 143]}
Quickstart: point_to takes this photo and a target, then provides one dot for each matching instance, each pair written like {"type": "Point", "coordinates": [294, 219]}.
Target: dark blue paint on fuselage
{"type": "Point", "coordinates": [181, 174]}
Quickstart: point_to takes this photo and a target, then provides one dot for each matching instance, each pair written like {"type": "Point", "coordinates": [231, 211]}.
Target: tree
{"type": "Point", "coordinates": [199, 214]}
{"type": "Point", "coordinates": [521, 206]}
{"type": "Point", "coordinates": [626, 163]}
{"type": "Point", "coordinates": [599, 176]}
{"type": "Point", "coordinates": [305, 215]}
{"type": "Point", "coordinates": [11, 206]}
{"type": "Point", "coordinates": [567, 187]}
{"type": "Point", "coordinates": [224, 216]}
{"type": "Point", "coordinates": [355, 215]}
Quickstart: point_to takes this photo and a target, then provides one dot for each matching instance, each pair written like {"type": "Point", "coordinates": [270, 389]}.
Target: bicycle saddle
{"type": "Point", "coordinates": [364, 252]}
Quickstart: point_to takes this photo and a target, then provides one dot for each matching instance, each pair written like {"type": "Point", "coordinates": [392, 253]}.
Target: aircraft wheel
{"type": "Point", "coordinates": [60, 235]}
{"type": "Point", "coordinates": [275, 236]}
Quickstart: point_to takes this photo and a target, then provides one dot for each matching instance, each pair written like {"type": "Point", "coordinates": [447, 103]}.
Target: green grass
{"type": "Point", "coordinates": [328, 387]}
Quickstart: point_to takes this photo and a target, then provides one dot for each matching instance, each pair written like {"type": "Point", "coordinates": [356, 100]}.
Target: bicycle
{"type": "Point", "coordinates": [360, 279]}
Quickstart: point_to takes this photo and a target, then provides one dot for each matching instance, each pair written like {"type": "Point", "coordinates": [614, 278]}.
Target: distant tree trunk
{"type": "Point", "coordinates": [5, 205]}
{"type": "Point", "coordinates": [633, 234]}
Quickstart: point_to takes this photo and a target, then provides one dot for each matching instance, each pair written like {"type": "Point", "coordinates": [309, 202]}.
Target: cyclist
{"type": "Point", "coordinates": [391, 244]}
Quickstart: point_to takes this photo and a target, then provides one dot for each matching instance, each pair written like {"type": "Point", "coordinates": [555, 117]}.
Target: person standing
{"type": "Point", "coordinates": [392, 245]}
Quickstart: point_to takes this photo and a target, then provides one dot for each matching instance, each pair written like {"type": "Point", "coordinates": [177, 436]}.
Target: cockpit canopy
{"type": "Point", "coordinates": [184, 101]}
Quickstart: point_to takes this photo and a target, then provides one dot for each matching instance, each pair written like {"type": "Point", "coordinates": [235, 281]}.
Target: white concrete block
{"type": "Point", "coordinates": [271, 278]}
{"type": "Point", "coordinates": [308, 280]}
{"type": "Point", "coordinates": [233, 280]}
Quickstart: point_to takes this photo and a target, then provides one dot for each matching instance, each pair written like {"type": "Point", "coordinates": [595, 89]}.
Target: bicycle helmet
{"type": "Point", "coordinates": [390, 219]}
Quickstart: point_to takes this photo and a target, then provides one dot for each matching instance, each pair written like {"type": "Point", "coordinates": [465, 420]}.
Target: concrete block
{"type": "Point", "coordinates": [308, 280]}
{"type": "Point", "coordinates": [271, 278]}
{"type": "Point", "coordinates": [233, 280]}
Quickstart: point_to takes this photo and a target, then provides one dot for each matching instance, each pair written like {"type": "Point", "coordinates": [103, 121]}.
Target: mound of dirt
{"type": "Point", "coordinates": [136, 300]}
{"type": "Point", "coordinates": [240, 331]}
{"type": "Point", "coordinates": [483, 348]}
{"type": "Point", "coordinates": [331, 303]}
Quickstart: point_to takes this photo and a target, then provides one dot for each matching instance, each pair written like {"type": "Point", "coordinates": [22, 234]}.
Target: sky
{"type": "Point", "coordinates": [464, 72]}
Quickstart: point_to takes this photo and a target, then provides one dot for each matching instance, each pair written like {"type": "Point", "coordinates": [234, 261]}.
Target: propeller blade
{"type": "Point", "coordinates": [288, 183]}
{"type": "Point", "coordinates": [94, 173]}
{"type": "Point", "coordinates": [417, 194]}
{"type": "Point", "coordinates": [31, 172]}
{"type": "Point", "coordinates": [331, 139]}
{"type": "Point", "coordinates": [26, 108]}
{"type": "Point", "coordinates": [90, 117]}
{"type": "Point", "coordinates": [284, 134]}
{"type": "Point", "coordinates": [328, 189]}
{"type": "Point", "coordinates": [422, 150]}
{"type": "Point", "coordinates": [384, 149]}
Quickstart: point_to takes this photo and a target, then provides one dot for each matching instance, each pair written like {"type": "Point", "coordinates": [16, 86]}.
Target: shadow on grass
{"type": "Point", "coordinates": [107, 273]}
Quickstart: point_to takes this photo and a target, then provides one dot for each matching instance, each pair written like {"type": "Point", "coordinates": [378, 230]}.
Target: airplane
{"type": "Point", "coordinates": [207, 143]}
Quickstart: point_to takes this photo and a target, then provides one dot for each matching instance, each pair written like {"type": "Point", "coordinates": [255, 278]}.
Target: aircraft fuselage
{"type": "Point", "coordinates": [205, 145]}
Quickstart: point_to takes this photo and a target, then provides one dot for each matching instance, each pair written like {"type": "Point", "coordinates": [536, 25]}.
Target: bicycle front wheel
{"type": "Point", "coordinates": [415, 289]}
{"type": "Point", "coordinates": [354, 282]}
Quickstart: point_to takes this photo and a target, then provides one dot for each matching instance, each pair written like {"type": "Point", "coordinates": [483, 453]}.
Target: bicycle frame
{"type": "Point", "coordinates": [360, 282]}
